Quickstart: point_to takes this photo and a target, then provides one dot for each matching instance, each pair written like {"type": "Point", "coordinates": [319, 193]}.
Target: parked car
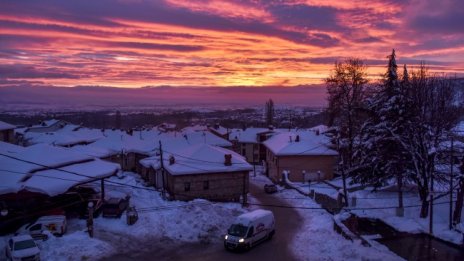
{"type": "Point", "coordinates": [270, 188]}
{"type": "Point", "coordinates": [22, 248]}
{"type": "Point", "coordinates": [55, 224]}
{"type": "Point", "coordinates": [250, 229]}
{"type": "Point", "coordinates": [115, 205]}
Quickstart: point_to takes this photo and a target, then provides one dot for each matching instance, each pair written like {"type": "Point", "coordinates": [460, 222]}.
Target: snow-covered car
{"type": "Point", "coordinates": [22, 248]}
{"type": "Point", "coordinates": [115, 206]}
{"type": "Point", "coordinates": [55, 224]}
{"type": "Point", "coordinates": [270, 188]}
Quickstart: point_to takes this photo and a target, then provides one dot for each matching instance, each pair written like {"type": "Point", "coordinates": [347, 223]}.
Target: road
{"type": "Point", "coordinates": [287, 222]}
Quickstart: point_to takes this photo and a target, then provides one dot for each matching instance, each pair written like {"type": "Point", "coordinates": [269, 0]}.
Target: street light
{"type": "Point", "coordinates": [4, 212]}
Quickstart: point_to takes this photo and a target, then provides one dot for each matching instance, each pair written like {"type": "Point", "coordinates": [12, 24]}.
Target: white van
{"type": "Point", "coordinates": [56, 224]}
{"type": "Point", "coordinates": [250, 229]}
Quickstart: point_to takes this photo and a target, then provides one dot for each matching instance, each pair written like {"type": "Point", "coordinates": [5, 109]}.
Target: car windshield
{"type": "Point", "coordinates": [20, 245]}
{"type": "Point", "coordinates": [238, 230]}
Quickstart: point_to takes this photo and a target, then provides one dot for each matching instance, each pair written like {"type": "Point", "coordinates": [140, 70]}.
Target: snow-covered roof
{"type": "Point", "coordinates": [49, 123]}
{"type": "Point", "coordinates": [6, 126]}
{"type": "Point", "coordinates": [195, 128]}
{"type": "Point", "coordinates": [23, 168]}
{"type": "Point", "coordinates": [248, 135]}
{"type": "Point", "coordinates": [321, 128]}
{"type": "Point", "coordinates": [91, 150]}
{"type": "Point", "coordinates": [206, 137]}
{"type": "Point", "coordinates": [151, 162]}
{"type": "Point", "coordinates": [203, 158]}
{"type": "Point", "coordinates": [67, 136]}
{"type": "Point", "coordinates": [11, 173]}
{"type": "Point", "coordinates": [219, 129]}
{"type": "Point", "coordinates": [54, 182]}
{"type": "Point", "coordinates": [6, 147]}
{"type": "Point", "coordinates": [50, 156]}
{"type": "Point", "coordinates": [285, 144]}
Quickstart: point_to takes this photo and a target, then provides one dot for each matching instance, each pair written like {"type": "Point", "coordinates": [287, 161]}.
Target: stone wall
{"type": "Point", "coordinates": [220, 186]}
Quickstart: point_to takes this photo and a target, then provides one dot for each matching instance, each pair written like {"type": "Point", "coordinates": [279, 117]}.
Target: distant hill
{"type": "Point", "coordinates": [26, 98]}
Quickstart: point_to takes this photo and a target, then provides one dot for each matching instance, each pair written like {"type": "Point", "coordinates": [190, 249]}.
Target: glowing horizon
{"type": "Point", "coordinates": [135, 43]}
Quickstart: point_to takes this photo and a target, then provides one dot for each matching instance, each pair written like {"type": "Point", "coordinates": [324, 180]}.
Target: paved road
{"type": "Point", "coordinates": [287, 222]}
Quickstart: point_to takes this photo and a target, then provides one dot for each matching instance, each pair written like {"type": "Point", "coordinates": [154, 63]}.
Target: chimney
{"type": "Point", "coordinates": [297, 138]}
{"type": "Point", "coordinates": [228, 159]}
{"type": "Point", "coordinates": [172, 160]}
{"type": "Point", "coordinates": [317, 132]}
{"type": "Point", "coordinates": [216, 126]}
{"type": "Point", "coordinates": [271, 127]}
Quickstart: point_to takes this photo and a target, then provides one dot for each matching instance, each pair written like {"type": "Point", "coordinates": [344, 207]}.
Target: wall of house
{"type": "Point", "coordinates": [221, 186]}
{"type": "Point", "coordinates": [250, 151]}
{"type": "Point", "coordinates": [7, 136]}
{"type": "Point", "coordinates": [311, 164]}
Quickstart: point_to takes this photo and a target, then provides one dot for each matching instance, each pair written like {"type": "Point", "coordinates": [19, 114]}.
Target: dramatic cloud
{"type": "Point", "coordinates": [133, 43]}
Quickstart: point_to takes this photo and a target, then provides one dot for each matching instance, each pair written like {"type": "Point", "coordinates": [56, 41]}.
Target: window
{"type": "Point", "coordinates": [206, 185]}
{"type": "Point", "coordinates": [250, 232]}
{"type": "Point", "coordinates": [186, 186]}
{"type": "Point", "coordinates": [36, 227]}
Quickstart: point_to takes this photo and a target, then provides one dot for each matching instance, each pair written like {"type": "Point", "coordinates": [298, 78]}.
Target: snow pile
{"type": "Point", "coordinates": [76, 246]}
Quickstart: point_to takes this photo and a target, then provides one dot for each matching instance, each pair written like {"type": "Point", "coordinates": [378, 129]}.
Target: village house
{"type": "Point", "coordinates": [202, 171]}
{"type": "Point", "coordinates": [248, 142]}
{"type": "Point", "coordinates": [42, 175]}
{"type": "Point", "coordinates": [7, 132]}
{"type": "Point", "coordinates": [307, 155]}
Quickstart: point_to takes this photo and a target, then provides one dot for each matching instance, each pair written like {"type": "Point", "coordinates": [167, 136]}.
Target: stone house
{"type": "Point", "coordinates": [201, 171]}
{"type": "Point", "coordinates": [307, 155]}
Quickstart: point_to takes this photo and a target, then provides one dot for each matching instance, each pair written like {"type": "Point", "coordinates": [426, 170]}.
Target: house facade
{"type": "Point", "coordinates": [7, 132]}
{"type": "Point", "coordinates": [225, 186]}
{"type": "Point", "coordinates": [306, 155]}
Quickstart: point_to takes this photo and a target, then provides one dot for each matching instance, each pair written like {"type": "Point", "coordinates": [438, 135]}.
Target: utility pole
{"type": "Point", "coordinates": [90, 219]}
{"type": "Point", "coordinates": [244, 203]}
{"type": "Point", "coordinates": [431, 206]}
{"type": "Point", "coordinates": [451, 184]}
{"type": "Point", "coordinates": [163, 193]}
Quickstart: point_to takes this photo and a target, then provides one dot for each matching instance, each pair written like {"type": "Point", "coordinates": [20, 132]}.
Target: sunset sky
{"type": "Point", "coordinates": [135, 43]}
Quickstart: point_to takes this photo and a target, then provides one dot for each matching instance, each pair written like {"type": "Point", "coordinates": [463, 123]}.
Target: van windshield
{"type": "Point", "coordinates": [238, 230]}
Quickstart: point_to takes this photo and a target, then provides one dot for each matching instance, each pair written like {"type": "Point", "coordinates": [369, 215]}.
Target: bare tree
{"type": "Point", "coordinates": [435, 113]}
{"type": "Point", "coordinates": [346, 88]}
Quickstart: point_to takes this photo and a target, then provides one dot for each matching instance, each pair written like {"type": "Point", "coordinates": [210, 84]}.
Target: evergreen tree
{"type": "Point", "coordinates": [269, 112]}
{"type": "Point", "coordinates": [381, 156]}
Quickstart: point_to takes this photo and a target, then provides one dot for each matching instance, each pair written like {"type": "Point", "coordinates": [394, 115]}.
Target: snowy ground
{"type": "Point", "coordinates": [387, 201]}
{"type": "Point", "coordinates": [316, 239]}
{"type": "Point", "coordinates": [195, 221]}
